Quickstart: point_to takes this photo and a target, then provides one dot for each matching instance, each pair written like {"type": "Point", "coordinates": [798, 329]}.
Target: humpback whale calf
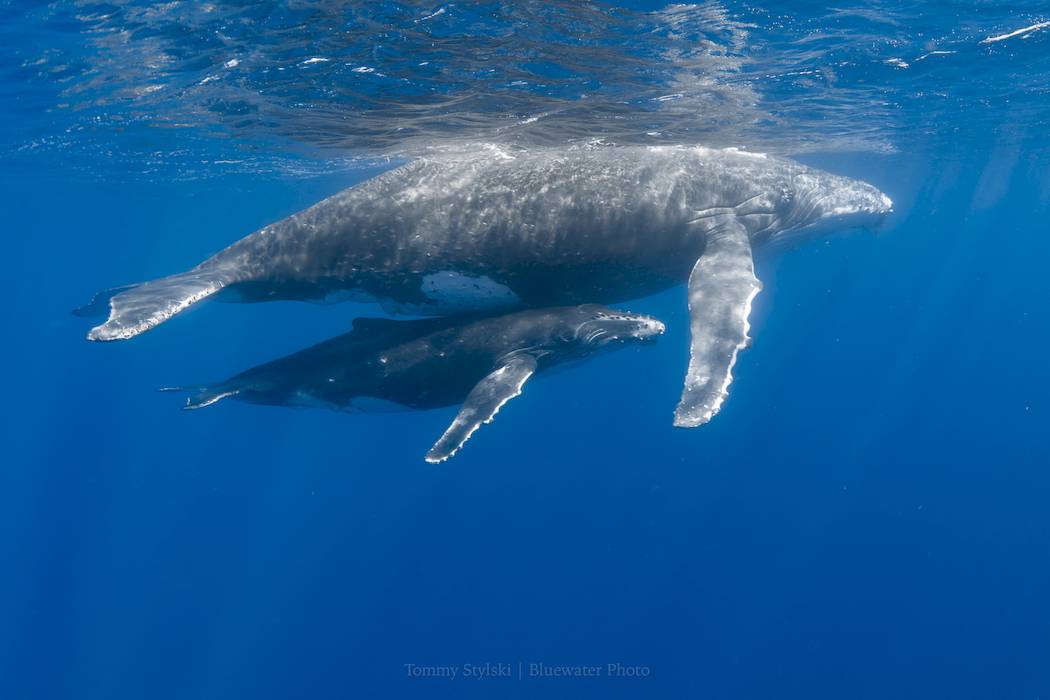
{"type": "Point", "coordinates": [493, 229]}
{"type": "Point", "coordinates": [428, 363]}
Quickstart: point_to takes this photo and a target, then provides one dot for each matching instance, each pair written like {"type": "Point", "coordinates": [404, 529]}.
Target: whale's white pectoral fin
{"type": "Point", "coordinates": [482, 404]}
{"type": "Point", "coordinates": [721, 289]}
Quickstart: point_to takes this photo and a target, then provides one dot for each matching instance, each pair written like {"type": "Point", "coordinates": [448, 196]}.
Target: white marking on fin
{"type": "Point", "coordinates": [144, 306]}
{"type": "Point", "coordinates": [722, 288]}
{"type": "Point", "coordinates": [715, 404]}
{"type": "Point", "coordinates": [191, 406]}
{"type": "Point", "coordinates": [482, 405]}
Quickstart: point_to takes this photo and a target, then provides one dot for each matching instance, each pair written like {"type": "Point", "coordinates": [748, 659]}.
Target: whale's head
{"type": "Point", "coordinates": [598, 326]}
{"type": "Point", "coordinates": [821, 203]}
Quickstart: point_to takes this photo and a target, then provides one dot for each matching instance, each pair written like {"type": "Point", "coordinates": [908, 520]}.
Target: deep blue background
{"type": "Point", "coordinates": [867, 517]}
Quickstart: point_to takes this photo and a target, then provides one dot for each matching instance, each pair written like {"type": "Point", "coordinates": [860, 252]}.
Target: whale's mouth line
{"type": "Point", "coordinates": [619, 330]}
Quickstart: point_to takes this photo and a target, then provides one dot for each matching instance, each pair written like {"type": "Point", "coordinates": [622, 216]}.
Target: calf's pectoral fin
{"type": "Point", "coordinates": [721, 288]}
{"type": "Point", "coordinates": [482, 404]}
{"type": "Point", "coordinates": [143, 306]}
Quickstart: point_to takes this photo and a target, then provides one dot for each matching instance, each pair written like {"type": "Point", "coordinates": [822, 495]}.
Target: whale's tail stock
{"type": "Point", "coordinates": [134, 309]}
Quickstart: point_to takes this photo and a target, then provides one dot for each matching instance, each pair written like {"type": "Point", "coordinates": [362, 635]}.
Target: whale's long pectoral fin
{"type": "Point", "coordinates": [482, 404]}
{"type": "Point", "coordinates": [722, 286]}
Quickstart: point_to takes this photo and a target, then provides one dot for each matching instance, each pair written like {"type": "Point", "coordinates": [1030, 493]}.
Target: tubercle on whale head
{"type": "Point", "coordinates": [600, 326]}
{"type": "Point", "coordinates": [822, 204]}
{"type": "Point", "coordinates": [858, 203]}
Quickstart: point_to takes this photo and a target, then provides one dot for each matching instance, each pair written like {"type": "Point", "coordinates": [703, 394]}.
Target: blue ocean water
{"type": "Point", "coordinates": [866, 518]}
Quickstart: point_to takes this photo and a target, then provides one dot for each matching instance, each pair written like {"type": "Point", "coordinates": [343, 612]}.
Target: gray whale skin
{"type": "Point", "coordinates": [493, 229]}
{"type": "Point", "coordinates": [479, 362]}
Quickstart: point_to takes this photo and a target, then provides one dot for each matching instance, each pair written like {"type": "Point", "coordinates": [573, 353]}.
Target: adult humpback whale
{"type": "Point", "coordinates": [479, 362]}
{"type": "Point", "coordinates": [491, 228]}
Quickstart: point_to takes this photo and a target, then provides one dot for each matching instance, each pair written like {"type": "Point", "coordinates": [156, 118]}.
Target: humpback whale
{"type": "Point", "coordinates": [434, 362]}
{"type": "Point", "coordinates": [495, 229]}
